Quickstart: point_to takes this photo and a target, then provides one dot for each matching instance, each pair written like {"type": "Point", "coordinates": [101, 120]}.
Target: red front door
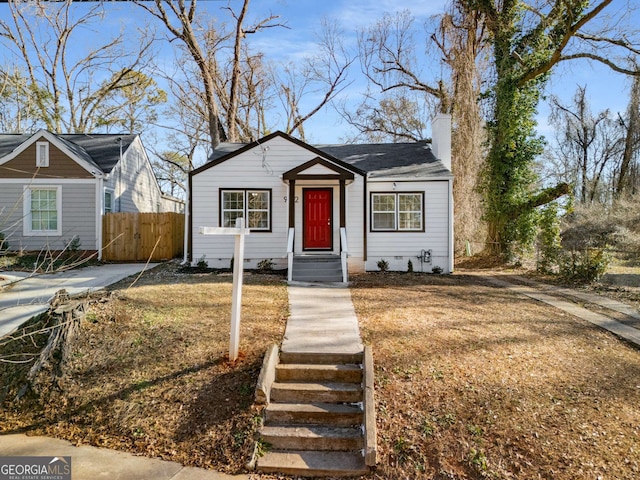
{"type": "Point", "coordinates": [318, 205]}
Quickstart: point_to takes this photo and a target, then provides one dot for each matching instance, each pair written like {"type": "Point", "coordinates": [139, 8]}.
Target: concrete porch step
{"type": "Point", "coordinates": [348, 373]}
{"type": "Point", "coordinates": [314, 268]}
{"type": "Point", "coordinates": [312, 437]}
{"type": "Point", "coordinates": [318, 392]}
{"type": "Point", "coordinates": [313, 414]}
{"type": "Point", "coordinates": [328, 258]}
{"type": "Point", "coordinates": [314, 464]}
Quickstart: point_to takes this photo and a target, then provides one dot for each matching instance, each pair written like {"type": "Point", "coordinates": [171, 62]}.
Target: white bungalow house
{"type": "Point", "coordinates": [326, 210]}
{"type": "Point", "coordinates": [56, 187]}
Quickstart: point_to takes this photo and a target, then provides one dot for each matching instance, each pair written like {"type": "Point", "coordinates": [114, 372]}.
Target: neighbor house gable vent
{"type": "Point", "coordinates": [42, 154]}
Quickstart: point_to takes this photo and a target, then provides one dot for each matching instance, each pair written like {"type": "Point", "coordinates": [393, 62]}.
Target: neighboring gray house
{"type": "Point", "coordinates": [54, 187]}
{"type": "Point", "coordinates": [355, 204]}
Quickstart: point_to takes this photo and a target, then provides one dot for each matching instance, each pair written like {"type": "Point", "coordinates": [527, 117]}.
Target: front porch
{"type": "Point", "coordinates": [317, 251]}
{"type": "Point", "coordinates": [317, 266]}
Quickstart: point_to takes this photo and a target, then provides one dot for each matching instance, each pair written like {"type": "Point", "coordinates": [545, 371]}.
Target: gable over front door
{"type": "Point", "coordinates": [318, 218]}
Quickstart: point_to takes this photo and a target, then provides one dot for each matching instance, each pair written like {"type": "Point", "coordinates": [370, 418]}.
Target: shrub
{"type": "Point", "coordinates": [74, 244]}
{"type": "Point", "coordinates": [549, 246]}
{"type": "Point", "coordinates": [202, 262]}
{"type": "Point", "coordinates": [437, 270]}
{"type": "Point", "coordinates": [383, 265]}
{"type": "Point", "coordinates": [584, 266]}
{"type": "Point", "coordinates": [4, 245]}
{"type": "Point", "coordinates": [265, 265]}
{"type": "Point", "coordinates": [410, 266]}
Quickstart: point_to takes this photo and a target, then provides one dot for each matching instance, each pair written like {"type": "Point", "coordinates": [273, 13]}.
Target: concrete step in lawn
{"type": "Point", "coordinates": [314, 464]}
{"type": "Point", "coordinates": [313, 414]}
{"type": "Point", "coordinates": [310, 372]}
{"type": "Point", "coordinates": [314, 422]}
{"type": "Point", "coordinates": [312, 437]}
{"type": "Point", "coordinates": [311, 392]}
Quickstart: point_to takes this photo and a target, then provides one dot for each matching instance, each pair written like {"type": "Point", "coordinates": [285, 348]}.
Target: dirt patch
{"type": "Point", "coordinates": [473, 381]}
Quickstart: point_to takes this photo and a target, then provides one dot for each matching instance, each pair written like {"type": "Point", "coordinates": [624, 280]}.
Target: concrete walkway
{"type": "Point", "coordinates": [321, 320]}
{"type": "Point", "coordinates": [536, 291]}
{"type": "Point", "coordinates": [89, 463]}
{"type": "Point", "coordinates": [24, 295]}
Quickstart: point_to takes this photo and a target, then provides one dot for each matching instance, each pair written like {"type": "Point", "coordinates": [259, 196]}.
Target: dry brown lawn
{"type": "Point", "coordinates": [472, 381]}
{"type": "Point", "coordinates": [150, 374]}
{"type": "Point", "coordinates": [475, 382]}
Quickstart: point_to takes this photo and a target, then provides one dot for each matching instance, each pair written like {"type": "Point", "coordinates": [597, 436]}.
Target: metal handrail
{"type": "Point", "coordinates": [344, 252]}
{"type": "Point", "coordinates": [290, 238]}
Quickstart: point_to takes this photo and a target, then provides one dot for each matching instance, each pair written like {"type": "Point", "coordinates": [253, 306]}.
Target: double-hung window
{"type": "Point", "coordinates": [252, 205]}
{"type": "Point", "coordinates": [391, 212]}
{"type": "Point", "coordinates": [42, 211]}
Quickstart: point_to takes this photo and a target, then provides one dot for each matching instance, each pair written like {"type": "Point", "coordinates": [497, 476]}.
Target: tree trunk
{"type": "Point", "coordinates": [630, 143]}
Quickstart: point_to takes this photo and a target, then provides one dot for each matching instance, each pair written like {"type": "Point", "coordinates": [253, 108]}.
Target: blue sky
{"type": "Point", "coordinates": [303, 17]}
{"type": "Point", "coordinates": [605, 88]}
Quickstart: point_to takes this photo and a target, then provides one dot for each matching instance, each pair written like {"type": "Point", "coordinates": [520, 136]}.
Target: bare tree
{"type": "Point", "coordinates": [389, 53]}
{"type": "Point", "coordinates": [631, 127]}
{"type": "Point", "coordinates": [588, 149]}
{"type": "Point", "coordinates": [41, 33]}
{"type": "Point", "coordinates": [182, 22]}
{"type": "Point", "coordinates": [323, 75]}
{"type": "Point", "coordinates": [461, 40]}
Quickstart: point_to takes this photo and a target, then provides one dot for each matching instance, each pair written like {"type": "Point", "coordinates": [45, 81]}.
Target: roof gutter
{"type": "Point", "coordinates": [409, 180]}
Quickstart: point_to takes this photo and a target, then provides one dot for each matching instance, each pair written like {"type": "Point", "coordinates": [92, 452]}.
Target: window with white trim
{"type": "Point", "coordinates": [108, 200]}
{"type": "Point", "coordinates": [42, 154]}
{"type": "Point", "coordinates": [252, 205]}
{"type": "Point", "coordinates": [42, 211]}
{"type": "Point", "coordinates": [391, 212]}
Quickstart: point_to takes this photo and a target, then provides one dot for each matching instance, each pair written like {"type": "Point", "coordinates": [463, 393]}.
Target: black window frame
{"type": "Point", "coordinates": [397, 228]}
{"type": "Point", "coordinates": [245, 192]}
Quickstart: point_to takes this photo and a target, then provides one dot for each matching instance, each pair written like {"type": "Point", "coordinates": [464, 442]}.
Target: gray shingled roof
{"type": "Point", "coordinates": [101, 150]}
{"type": "Point", "coordinates": [378, 160]}
{"type": "Point", "coordinates": [390, 160]}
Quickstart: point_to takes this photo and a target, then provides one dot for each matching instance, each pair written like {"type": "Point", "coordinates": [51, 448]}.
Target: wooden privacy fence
{"type": "Point", "coordinates": [131, 237]}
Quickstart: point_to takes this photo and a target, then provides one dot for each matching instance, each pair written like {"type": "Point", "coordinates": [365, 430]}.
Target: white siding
{"type": "Point", "coordinates": [78, 215]}
{"type": "Point", "coordinates": [262, 168]}
{"type": "Point", "coordinates": [398, 248]}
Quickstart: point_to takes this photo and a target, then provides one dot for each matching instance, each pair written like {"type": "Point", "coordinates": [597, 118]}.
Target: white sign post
{"type": "Point", "coordinates": [238, 267]}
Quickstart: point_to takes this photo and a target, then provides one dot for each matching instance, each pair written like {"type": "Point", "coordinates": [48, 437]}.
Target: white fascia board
{"type": "Point", "coordinates": [35, 181]}
{"type": "Point", "coordinates": [51, 138]}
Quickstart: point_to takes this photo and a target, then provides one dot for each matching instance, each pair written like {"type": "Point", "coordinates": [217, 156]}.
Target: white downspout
{"type": "Point", "coordinates": [185, 246]}
{"type": "Point", "coordinates": [451, 238]}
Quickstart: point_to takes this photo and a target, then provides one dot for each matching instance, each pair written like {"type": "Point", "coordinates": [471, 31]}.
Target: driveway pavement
{"type": "Point", "coordinates": [90, 463]}
{"type": "Point", "coordinates": [24, 295]}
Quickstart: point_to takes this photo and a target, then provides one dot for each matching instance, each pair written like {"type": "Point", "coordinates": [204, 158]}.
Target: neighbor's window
{"type": "Point", "coordinates": [108, 201]}
{"type": "Point", "coordinates": [42, 154]}
{"type": "Point", "coordinates": [397, 212]}
{"type": "Point", "coordinates": [42, 207]}
{"type": "Point", "coordinates": [252, 205]}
